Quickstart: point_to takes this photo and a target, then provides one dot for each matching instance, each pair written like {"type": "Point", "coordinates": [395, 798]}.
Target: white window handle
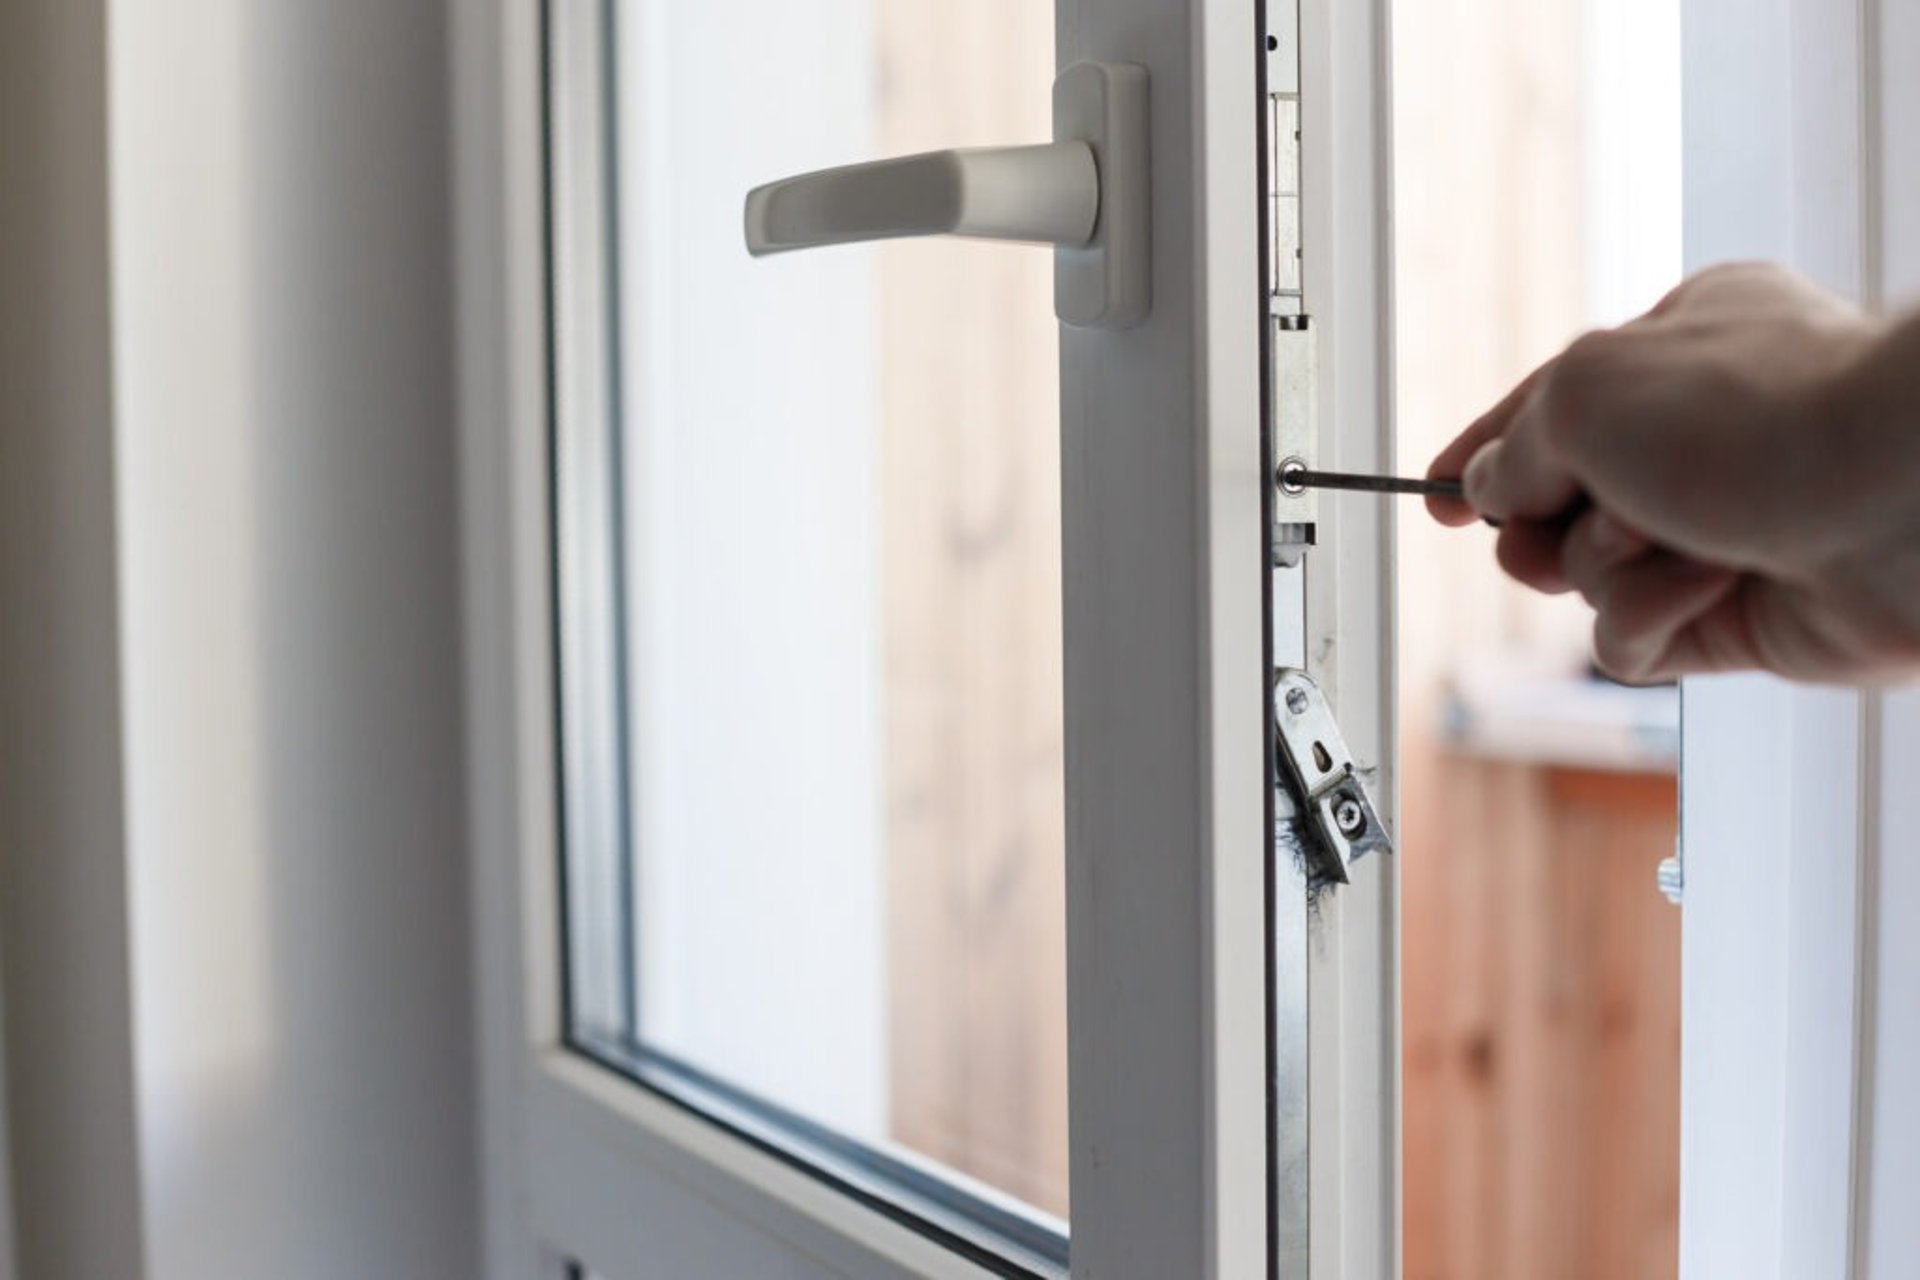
{"type": "Point", "coordinates": [1049, 193]}
{"type": "Point", "coordinates": [1085, 193]}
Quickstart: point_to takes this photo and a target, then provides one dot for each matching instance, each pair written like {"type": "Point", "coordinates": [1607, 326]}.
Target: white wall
{"type": "Point", "coordinates": [251, 595]}
{"type": "Point", "coordinates": [63, 948]}
{"type": "Point", "coordinates": [291, 643]}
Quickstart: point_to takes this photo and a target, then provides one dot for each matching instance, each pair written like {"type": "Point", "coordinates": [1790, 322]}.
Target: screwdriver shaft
{"type": "Point", "coordinates": [1294, 479]}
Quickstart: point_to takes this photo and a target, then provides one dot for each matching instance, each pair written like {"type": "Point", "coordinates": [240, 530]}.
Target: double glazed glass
{"type": "Point", "coordinates": [808, 603]}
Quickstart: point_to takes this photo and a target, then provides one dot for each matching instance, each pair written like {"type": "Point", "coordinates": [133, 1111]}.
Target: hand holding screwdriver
{"type": "Point", "coordinates": [1732, 481]}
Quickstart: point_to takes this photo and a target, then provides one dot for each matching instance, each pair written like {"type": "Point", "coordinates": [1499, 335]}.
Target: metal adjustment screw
{"type": "Point", "coordinates": [1673, 880]}
{"type": "Point", "coordinates": [1349, 816]}
{"type": "Point", "coordinates": [1288, 474]}
{"type": "Point", "coordinates": [1297, 701]}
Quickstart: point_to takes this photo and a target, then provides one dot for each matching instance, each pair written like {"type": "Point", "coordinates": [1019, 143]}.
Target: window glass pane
{"type": "Point", "coordinates": [807, 511]}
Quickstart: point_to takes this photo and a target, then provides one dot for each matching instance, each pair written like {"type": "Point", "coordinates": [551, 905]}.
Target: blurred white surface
{"type": "Point", "coordinates": [235, 893]}
{"type": "Point", "coordinates": [290, 642]}
{"type": "Point", "coordinates": [1514, 707]}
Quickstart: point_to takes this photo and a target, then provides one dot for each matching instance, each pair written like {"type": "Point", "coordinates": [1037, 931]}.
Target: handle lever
{"type": "Point", "coordinates": [1085, 193]}
{"type": "Point", "coordinates": [1048, 193]}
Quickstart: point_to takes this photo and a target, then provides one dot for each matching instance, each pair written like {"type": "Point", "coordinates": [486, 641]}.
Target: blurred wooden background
{"type": "Point", "coordinates": [1541, 967]}
{"type": "Point", "coordinates": [971, 508]}
{"type": "Point", "coordinates": [1541, 1019]}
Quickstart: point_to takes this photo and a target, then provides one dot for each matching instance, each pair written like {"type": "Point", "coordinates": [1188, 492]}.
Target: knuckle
{"type": "Point", "coordinates": [1529, 555]}
{"type": "Point", "coordinates": [1575, 397]}
{"type": "Point", "coordinates": [1582, 567]}
{"type": "Point", "coordinates": [1578, 570]}
{"type": "Point", "coordinates": [1757, 270]}
{"type": "Point", "coordinates": [1606, 653]}
{"type": "Point", "coordinates": [1618, 654]}
{"type": "Point", "coordinates": [1906, 649]}
{"type": "Point", "coordinates": [1511, 556]}
{"type": "Point", "coordinates": [1675, 296]}
{"type": "Point", "coordinates": [1596, 589]}
{"type": "Point", "coordinates": [1740, 269]}
{"type": "Point", "coordinates": [1592, 348]}
{"type": "Point", "coordinates": [1733, 290]}
{"type": "Point", "coordinates": [1741, 274]}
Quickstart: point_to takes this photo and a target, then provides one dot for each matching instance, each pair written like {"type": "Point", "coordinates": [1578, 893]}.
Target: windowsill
{"type": "Point", "coordinates": [1500, 709]}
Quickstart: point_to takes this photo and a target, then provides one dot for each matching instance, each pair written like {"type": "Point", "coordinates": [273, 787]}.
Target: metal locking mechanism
{"type": "Point", "coordinates": [1340, 821]}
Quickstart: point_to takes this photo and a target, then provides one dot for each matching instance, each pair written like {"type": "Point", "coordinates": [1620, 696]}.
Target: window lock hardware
{"type": "Point", "coordinates": [1340, 822]}
{"type": "Point", "coordinates": [1293, 376]}
{"type": "Point", "coordinates": [1292, 367]}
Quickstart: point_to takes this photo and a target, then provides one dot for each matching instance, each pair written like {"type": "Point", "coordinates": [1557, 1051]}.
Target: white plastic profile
{"type": "Point", "coordinates": [1085, 193]}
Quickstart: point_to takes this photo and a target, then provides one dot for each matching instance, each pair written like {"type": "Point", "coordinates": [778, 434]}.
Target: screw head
{"type": "Point", "coordinates": [1672, 880]}
{"type": "Point", "coordinates": [1297, 701]}
{"type": "Point", "coordinates": [1349, 816]}
{"type": "Point", "coordinates": [1286, 472]}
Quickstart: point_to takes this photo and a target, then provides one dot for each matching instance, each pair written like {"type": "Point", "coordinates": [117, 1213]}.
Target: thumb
{"type": "Point", "coordinates": [1515, 477]}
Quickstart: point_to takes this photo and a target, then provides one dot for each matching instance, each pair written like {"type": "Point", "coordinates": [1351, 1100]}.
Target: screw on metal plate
{"type": "Point", "coordinates": [1349, 816]}
{"type": "Point", "coordinates": [1342, 825]}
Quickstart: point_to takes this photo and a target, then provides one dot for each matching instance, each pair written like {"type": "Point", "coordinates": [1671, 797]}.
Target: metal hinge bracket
{"type": "Point", "coordinates": [1340, 823]}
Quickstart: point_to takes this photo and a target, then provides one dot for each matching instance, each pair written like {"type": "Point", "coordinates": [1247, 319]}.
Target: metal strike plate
{"type": "Point", "coordinates": [1342, 825]}
{"type": "Point", "coordinates": [1293, 372]}
{"type": "Point", "coordinates": [1295, 382]}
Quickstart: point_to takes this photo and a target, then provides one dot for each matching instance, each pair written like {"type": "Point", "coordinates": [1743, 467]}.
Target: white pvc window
{"type": "Point", "coordinates": [808, 617]}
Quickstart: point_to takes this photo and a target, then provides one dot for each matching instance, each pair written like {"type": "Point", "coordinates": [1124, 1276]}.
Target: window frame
{"type": "Point", "coordinates": [581, 1167]}
{"type": "Point", "coordinates": [592, 426]}
{"type": "Point", "coordinates": [1797, 804]}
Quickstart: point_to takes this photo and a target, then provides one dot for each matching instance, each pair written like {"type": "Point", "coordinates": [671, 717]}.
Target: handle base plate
{"type": "Point", "coordinates": [1108, 283]}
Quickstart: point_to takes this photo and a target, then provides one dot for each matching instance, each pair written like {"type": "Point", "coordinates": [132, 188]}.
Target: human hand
{"type": "Point", "coordinates": [1732, 481]}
